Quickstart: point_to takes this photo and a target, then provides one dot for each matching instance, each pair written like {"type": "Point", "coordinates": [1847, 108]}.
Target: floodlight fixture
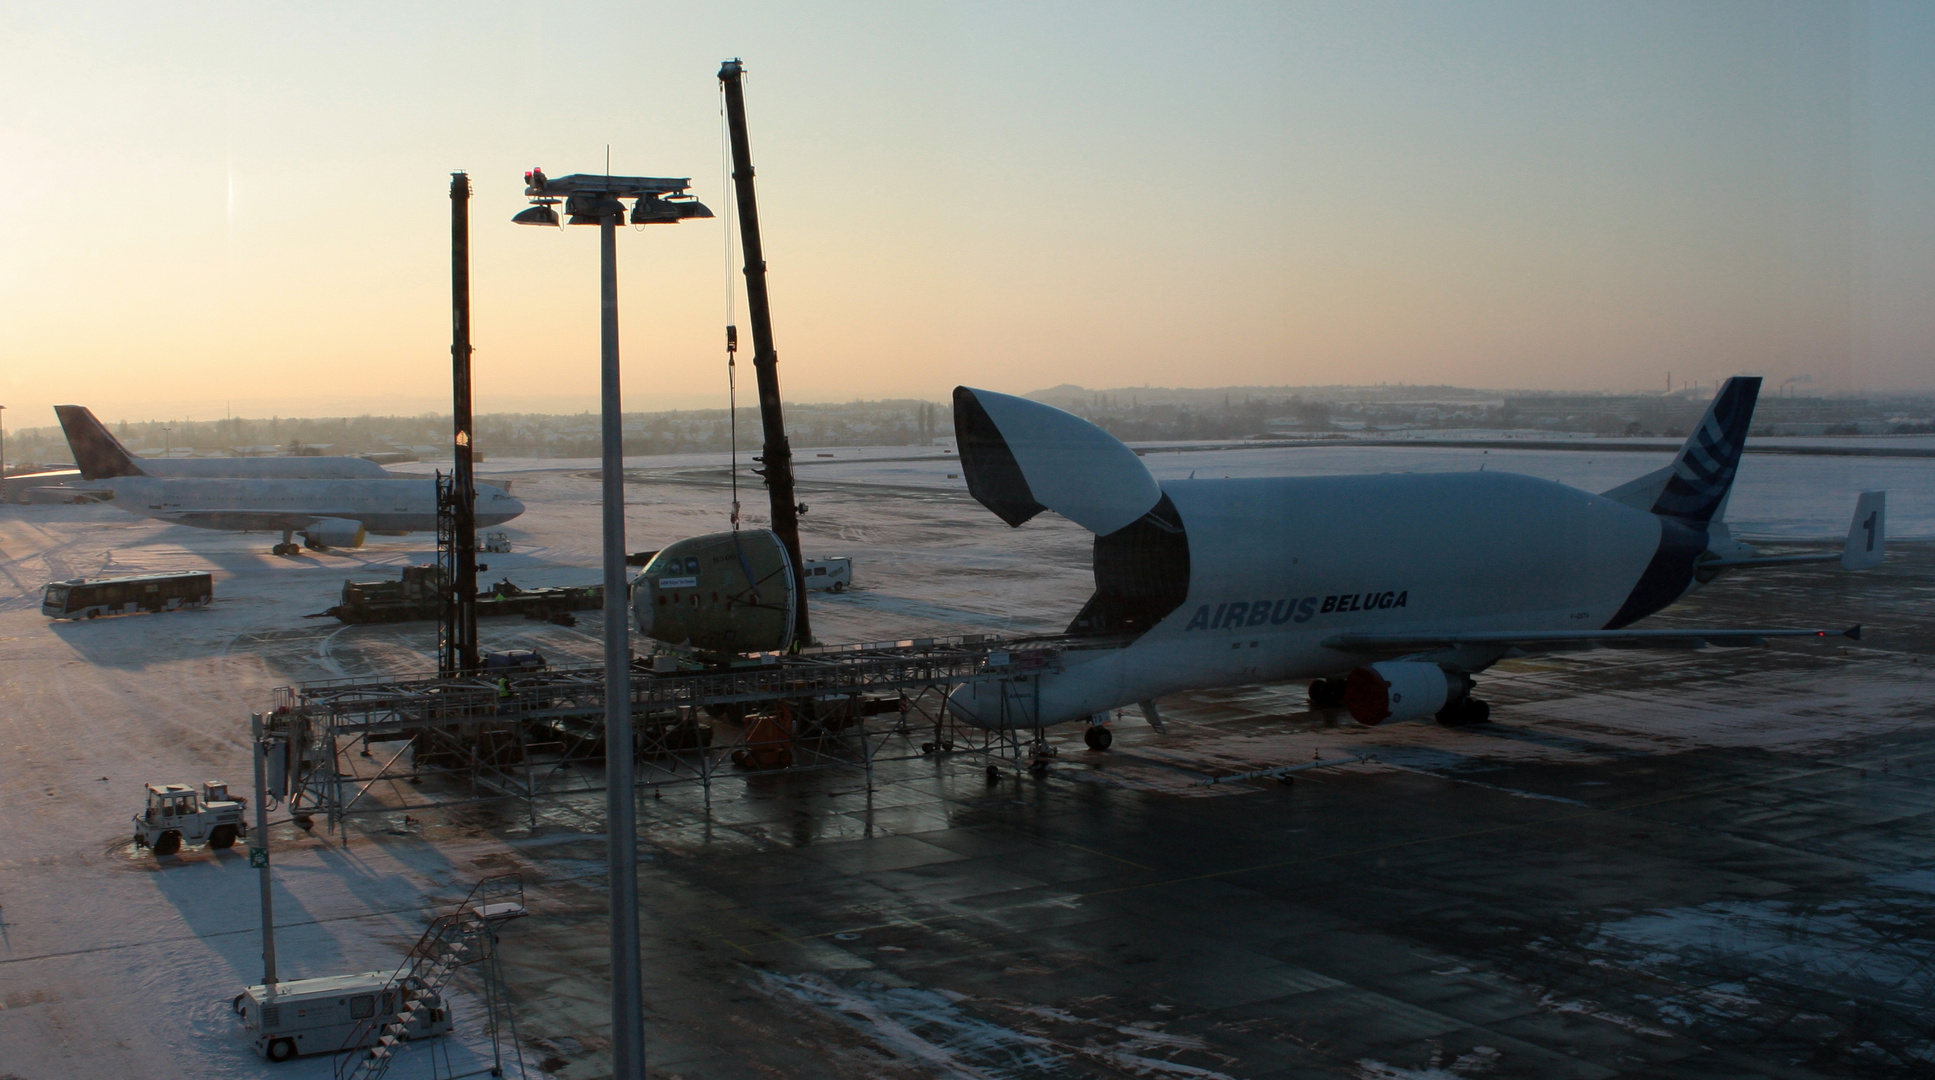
{"type": "Point", "coordinates": [591, 208]}
{"type": "Point", "coordinates": [669, 210]}
{"type": "Point", "coordinates": [588, 198]}
{"type": "Point", "coordinates": [539, 213]}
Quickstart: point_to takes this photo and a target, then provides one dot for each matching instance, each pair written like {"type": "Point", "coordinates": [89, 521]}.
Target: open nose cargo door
{"type": "Point", "coordinates": [1021, 457]}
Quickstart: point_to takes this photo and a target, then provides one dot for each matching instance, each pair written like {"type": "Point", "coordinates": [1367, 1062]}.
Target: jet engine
{"type": "Point", "coordinates": [334, 533]}
{"type": "Point", "coordinates": [730, 592]}
{"type": "Point", "coordinates": [1398, 690]}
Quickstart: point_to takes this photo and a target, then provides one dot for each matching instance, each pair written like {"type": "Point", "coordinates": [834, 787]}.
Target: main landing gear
{"type": "Point", "coordinates": [288, 545]}
{"type": "Point", "coordinates": [1327, 693]}
{"type": "Point", "coordinates": [1465, 711]}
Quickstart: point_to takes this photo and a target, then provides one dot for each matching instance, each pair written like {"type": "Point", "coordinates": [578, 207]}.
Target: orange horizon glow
{"type": "Point", "coordinates": [245, 210]}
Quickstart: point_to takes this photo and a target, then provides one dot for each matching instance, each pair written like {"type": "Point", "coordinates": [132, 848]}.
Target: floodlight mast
{"type": "Point", "coordinates": [259, 849]}
{"type": "Point", "coordinates": [621, 827]}
{"type": "Point", "coordinates": [594, 200]}
{"type": "Point", "coordinates": [777, 456]}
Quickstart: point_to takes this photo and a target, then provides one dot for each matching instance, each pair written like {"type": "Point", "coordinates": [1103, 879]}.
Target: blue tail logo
{"type": "Point", "coordinates": [1704, 471]}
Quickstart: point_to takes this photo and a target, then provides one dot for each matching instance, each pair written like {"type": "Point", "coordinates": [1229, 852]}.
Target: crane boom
{"type": "Point", "coordinates": [777, 455]}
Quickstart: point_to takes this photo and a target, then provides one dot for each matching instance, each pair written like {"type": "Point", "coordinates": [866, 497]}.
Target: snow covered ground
{"type": "Point", "coordinates": [113, 963]}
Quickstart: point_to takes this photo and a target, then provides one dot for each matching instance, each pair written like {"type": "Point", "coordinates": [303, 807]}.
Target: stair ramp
{"type": "Point", "coordinates": [465, 936]}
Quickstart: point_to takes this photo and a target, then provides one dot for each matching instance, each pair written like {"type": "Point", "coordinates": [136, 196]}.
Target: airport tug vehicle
{"type": "Point", "coordinates": [178, 814]}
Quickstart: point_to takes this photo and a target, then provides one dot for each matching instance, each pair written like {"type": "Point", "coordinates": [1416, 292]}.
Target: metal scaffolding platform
{"type": "Point", "coordinates": [521, 734]}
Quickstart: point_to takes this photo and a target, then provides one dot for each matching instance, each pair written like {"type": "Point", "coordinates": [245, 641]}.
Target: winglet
{"type": "Point", "coordinates": [1867, 535]}
{"type": "Point", "coordinates": [1021, 457]}
{"type": "Point", "coordinates": [97, 453]}
{"type": "Point", "coordinates": [1852, 632]}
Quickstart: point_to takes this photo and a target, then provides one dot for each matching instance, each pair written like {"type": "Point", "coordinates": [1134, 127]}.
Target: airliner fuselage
{"type": "Point", "coordinates": [1409, 583]}
{"type": "Point", "coordinates": [1276, 566]}
{"type": "Point", "coordinates": [380, 506]}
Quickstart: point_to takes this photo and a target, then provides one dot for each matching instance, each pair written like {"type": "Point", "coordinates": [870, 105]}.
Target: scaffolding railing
{"type": "Point", "coordinates": [523, 734]}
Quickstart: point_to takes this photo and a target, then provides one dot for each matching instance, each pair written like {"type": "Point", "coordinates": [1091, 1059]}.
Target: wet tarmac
{"type": "Point", "coordinates": [1694, 864]}
{"type": "Point", "coordinates": [1708, 864]}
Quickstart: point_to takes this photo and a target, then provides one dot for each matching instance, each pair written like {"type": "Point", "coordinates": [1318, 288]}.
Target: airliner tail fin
{"type": "Point", "coordinates": [1704, 470]}
{"type": "Point", "coordinates": [1868, 533]}
{"type": "Point", "coordinates": [97, 453]}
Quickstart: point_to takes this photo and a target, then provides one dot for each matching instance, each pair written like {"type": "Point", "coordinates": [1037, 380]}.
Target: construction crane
{"type": "Point", "coordinates": [776, 455]}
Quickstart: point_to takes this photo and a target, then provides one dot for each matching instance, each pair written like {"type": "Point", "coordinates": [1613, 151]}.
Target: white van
{"type": "Point", "coordinates": [829, 575]}
{"type": "Point", "coordinates": [320, 1016]}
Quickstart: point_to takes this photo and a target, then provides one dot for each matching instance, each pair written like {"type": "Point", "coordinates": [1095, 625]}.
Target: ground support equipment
{"type": "Point", "coordinates": [462, 938]}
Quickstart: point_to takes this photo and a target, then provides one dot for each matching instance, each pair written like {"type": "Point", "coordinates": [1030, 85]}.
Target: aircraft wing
{"type": "Point", "coordinates": [1554, 640]}
{"type": "Point", "coordinates": [242, 520]}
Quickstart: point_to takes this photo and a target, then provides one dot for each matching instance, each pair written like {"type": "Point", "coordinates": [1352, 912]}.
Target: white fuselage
{"type": "Point", "coordinates": [381, 506]}
{"type": "Point", "coordinates": [263, 468]}
{"type": "Point", "coordinates": [1276, 566]}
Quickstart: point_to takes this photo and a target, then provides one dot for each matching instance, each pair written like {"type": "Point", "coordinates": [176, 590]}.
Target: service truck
{"type": "Point", "coordinates": [829, 575]}
{"type": "Point", "coordinates": [323, 1016]}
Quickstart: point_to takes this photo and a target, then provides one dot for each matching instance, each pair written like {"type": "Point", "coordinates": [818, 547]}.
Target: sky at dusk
{"type": "Point", "coordinates": [243, 207]}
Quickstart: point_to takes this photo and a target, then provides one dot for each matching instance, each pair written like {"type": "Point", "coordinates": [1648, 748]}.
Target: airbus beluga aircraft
{"type": "Point", "coordinates": [1390, 591]}
{"type": "Point", "coordinates": [327, 512]}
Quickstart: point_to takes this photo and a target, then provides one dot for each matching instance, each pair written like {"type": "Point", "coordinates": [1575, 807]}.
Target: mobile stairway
{"type": "Point", "coordinates": [453, 940]}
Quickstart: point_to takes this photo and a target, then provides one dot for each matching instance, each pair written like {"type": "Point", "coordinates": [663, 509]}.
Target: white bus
{"type": "Point", "coordinates": [88, 598]}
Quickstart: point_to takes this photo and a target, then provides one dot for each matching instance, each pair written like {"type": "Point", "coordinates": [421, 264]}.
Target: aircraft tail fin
{"type": "Point", "coordinates": [1866, 536]}
{"type": "Point", "coordinates": [97, 453]}
{"type": "Point", "coordinates": [1641, 492]}
{"type": "Point", "coordinates": [1704, 470]}
{"type": "Point", "coordinates": [1021, 457]}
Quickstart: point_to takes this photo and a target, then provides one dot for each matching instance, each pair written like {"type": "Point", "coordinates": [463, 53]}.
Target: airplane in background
{"type": "Point", "coordinates": [1390, 592]}
{"type": "Point", "coordinates": [327, 512]}
{"type": "Point", "coordinates": [97, 453]}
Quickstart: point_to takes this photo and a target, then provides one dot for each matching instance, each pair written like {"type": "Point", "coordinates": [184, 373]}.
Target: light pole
{"type": "Point", "coordinates": [259, 850]}
{"type": "Point", "coordinates": [596, 200]}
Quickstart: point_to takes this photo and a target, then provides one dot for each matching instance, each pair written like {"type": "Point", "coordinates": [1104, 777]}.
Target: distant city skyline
{"type": "Point", "coordinates": [244, 208]}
